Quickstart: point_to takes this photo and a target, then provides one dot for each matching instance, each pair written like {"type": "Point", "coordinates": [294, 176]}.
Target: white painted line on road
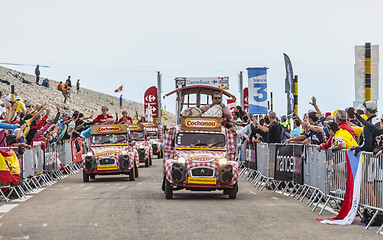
{"type": "Point", "coordinates": [123, 187]}
{"type": "Point", "coordinates": [45, 224]}
{"type": "Point", "coordinates": [7, 207]}
{"type": "Point", "coordinates": [21, 200]}
{"type": "Point", "coordinates": [139, 183]}
{"type": "Point", "coordinates": [66, 189]}
{"type": "Point", "coordinates": [117, 184]}
{"type": "Point", "coordinates": [275, 198]}
{"type": "Point", "coordinates": [253, 192]}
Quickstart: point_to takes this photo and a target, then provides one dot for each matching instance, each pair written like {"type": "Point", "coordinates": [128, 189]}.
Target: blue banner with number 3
{"type": "Point", "coordinates": [257, 90]}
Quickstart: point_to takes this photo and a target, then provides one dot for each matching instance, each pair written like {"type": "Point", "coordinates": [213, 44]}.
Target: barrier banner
{"type": "Point", "coordinates": [9, 167]}
{"type": "Point", "coordinates": [77, 155]}
{"type": "Point", "coordinates": [253, 156]}
{"type": "Point", "coordinates": [289, 163]}
{"type": "Point", "coordinates": [257, 90]}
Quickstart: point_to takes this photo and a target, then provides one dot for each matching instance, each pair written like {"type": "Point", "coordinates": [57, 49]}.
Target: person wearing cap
{"type": "Point", "coordinates": [340, 139]}
{"type": "Point", "coordinates": [125, 118]}
{"type": "Point", "coordinates": [370, 131]}
{"type": "Point", "coordinates": [103, 117]}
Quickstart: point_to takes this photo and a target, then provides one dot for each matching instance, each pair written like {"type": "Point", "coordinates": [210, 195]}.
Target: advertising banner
{"type": "Point", "coordinates": [150, 99]}
{"type": "Point", "coordinates": [77, 155]}
{"type": "Point", "coordinates": [289, 163]}
{"type": "Point", "coordinates": [253, 156]}
{"type": "Point", "coordinates": [257, 90]}
{"type": "Point", "coordinates": [246, 100]}
{"type": "Point", "coordinates": [218, 82]}
{"type": "Point", "coordinates": [289, 86]}
{"type": "Point", "coordinates": [231, 104]}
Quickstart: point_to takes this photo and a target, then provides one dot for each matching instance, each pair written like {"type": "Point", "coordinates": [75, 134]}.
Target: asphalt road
{"type": "Point", "coordinates": [112, 207]}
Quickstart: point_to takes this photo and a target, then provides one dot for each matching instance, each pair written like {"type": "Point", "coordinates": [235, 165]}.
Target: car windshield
{"type": "Point", "coordinates": [201, 139]}
{"type": "Point", "coordinates": [138, 136]}
{"type": "Point", "coordinates": [110, 138]}
{"type": "Point", "coordinates": [152, 135]}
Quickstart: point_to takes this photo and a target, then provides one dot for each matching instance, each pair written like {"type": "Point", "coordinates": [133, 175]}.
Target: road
{"type": "Point", "coordinates": [112, 207]}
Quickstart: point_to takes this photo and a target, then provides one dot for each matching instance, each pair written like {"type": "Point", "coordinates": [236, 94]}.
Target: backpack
{"type": "Point", "coordinates": [59, 86]}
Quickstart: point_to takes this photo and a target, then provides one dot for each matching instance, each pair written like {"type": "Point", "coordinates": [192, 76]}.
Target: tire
{"type": "Point", "coordinates": [233, 191]}
{"type": "Point", "coordinates": [85, 177]}
{"type": "Point", "coordinates": [135, 171]}
{"type": "Point", "coordinates": [147, 162]}
{"type": "Point", "coordinates": [92, 176]}
{"type": "Point", "coordinates": [226, 191]}
{"type": "Point", "coordinates": [163, 183]}
{"type": "Point", "coordinates": [131, 174]}
{"type": "Point", "coordinates": [168, 190]}
{"type": "Point", "coordinates": [150, 160]}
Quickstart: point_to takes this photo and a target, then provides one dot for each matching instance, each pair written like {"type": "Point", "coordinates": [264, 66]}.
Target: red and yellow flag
{"type": "Point", "coordinates": [9, 167]}
{"type": "Point", "coordinates": [119, 89]}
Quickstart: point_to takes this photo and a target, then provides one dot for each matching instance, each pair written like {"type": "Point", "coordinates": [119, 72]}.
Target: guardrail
{"type": "Point", "coordinates": [39, 168]}
{"type": "Point", "coordinates": [318, 177]}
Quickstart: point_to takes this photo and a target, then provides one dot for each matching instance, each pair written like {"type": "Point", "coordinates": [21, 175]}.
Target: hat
{"type": "Point", "coordinates": [371, 106]}
{"type": "Point", "coordinates": [284, 118]}
{"type": "Point", "coordinates": [311, 110]}
{"type": "Point", "coordinates": [327, 114]}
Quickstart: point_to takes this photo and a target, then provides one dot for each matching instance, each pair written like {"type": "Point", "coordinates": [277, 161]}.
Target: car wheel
{"type": "Point", "coordinates": [233, 191]}
{"type": "Point", "coordinates": [135, 171]}
{"type": "Point", "coordinates": [85, 177]}
{"type": "Point", "coordinates": [168, 190]}
{"type": "Point", "coordinates": [92, 176]}
{"type": "Point", "coordinates": [226, 191]}
{"type": "Point", "coordinates": [132, 173]}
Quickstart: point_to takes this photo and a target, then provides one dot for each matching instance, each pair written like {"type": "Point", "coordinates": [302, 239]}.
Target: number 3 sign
{"type": "Point", "coordinates": [257, 90]}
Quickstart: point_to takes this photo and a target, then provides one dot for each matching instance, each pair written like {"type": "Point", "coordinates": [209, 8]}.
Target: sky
{"type": "Point", "coordinates": [110, 43]}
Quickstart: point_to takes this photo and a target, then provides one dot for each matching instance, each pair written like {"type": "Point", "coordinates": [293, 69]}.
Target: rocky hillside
{"type": "Point", "coordinates": [87, 101]}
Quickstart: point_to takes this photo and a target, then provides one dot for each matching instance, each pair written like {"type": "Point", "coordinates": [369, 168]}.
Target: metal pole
{"type": "Point", "coordinates": [159, 110]}
{"type": "Point", "coordinates": [367, 69]}
{"type": "Point", "coordinates": [241, 90]}
{"type": "Point", "coordinates": [271, 101]}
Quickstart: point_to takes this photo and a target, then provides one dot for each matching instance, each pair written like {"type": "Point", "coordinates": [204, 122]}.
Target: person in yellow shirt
{"type": "Point", "coordinates": [64, 90]}
{"type": "Point", "coordinates": [341, 139]}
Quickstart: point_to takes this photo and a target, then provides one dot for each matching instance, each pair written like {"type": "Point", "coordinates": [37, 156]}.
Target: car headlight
{"type": "Point", "coordinates": [181, 160]}
{"type": "Point", "coordinates": [124, 152]}
{"type": "Point", "coordinates": [89, 154]}
{"type": "Point", "coordinates": [223, 161]}
{"type": "Point", "coordinates": [141, 146]}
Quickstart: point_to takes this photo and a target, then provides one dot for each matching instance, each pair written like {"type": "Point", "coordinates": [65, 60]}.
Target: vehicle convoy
{"type": "Point", "coordinates": [199, 151]}
{"type": "Point", "coordinates": [142, 148]}
{"type": "Point", "coordinates": [109, 153]}
{"type": "Point", "coordinates": [154, 136]}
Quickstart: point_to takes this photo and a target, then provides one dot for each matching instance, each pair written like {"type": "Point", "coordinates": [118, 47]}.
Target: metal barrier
{"type": "Point", "coordinates": [324, 178]}
{"type": "Point", "coordinates": [39, 168]}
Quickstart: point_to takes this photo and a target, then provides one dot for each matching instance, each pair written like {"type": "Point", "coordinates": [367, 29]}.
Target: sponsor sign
{"type": "Point", "coordinates": [257, 90]}
{"type": "Point", "coordinates": [202, 180]}
{"type": "Point", "coordinates": [77, 156]}
{"type": "Point", "coordinates": [106, 167]}
{"type": "Point", "coordinates": [136, 127]}
{"type": "Point", "coordinates": [289, 163]}
{"type": "Point", "coordinates": [150, 99]}
{"type": "Point", "coordinates": [104, 129]}
{"type": "Point", "coordinates": [106, 152]}
{"type": "Point", "coordinates": [218, 82]}
{"type": "Point", "coordinates": [201, 124]}
{"type": "Point", "coordinates": [149, 124]}
{"type": "Point", "coordinates": [231, 104]}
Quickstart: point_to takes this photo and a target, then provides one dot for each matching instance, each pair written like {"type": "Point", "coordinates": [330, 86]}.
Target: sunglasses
{"type": "Point", "coordinates": [217, 98]}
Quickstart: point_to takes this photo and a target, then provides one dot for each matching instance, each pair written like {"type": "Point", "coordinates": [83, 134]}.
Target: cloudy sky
{"type": "Point", "coordinates": [109, 43]}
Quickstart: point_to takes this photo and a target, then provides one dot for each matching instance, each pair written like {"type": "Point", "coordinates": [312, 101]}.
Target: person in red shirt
{"type": "Point", "coordinates": [104, 118]}
{"type": "Point", "coordinates": [125, 118]}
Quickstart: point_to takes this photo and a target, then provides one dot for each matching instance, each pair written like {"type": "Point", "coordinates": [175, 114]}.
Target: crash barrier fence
{"type": "Point", "coordinates": [39, 168]}
{"type": "Point", "coordinates": [305, 173]}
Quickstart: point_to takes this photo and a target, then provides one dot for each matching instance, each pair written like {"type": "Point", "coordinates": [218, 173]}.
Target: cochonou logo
{"type": "Point", "coordinates": [109, 129]}
{"type": "Point", "coordinates": [201, 123]}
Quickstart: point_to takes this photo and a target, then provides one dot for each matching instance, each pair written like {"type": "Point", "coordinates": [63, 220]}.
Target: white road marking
{"type": "Point", "coordinates": [45, 224]}
{"type": "Point", "coordinates": [65, 189]}
{"type": "Point", "coordinates": [139, 183]}
{"type": "Point", "coordinates": [7, 207]}
{"type": "Point", "coordinates": [21, 200]}
{"type": "Point", "coordinates": [253, 192]}
{"type": "Point", "coordinates": [275, 198]}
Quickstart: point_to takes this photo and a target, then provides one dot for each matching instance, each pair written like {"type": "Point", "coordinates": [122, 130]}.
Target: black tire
{"type": "Point", "coordinates": [168, 190]}
{"type": "Point", "coordinates": [135, 171]}
{"type": "Point", "coordinates": [85, 177]}
{"type": "Point", "coordinates": [226, 191]}
{"type": "Point", "coordinates": [147, 162]}
{"type": "Point", "coordinates": [163, 183]}
{"type": "Point", "coordinates": [131, 174]}
{"type": "Point", "coordinates": [92, 176]}
{"type": "Point", "coordinates": [150, 160]}
{"type": "Point", "coordinates": [233, 191]}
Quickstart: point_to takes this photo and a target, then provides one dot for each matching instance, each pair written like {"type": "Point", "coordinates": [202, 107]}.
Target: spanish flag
{"type": "Point", "coordinates": [135, 118]}
{"type": "Point", "coordinates": [119, 89]}
{"type": "Point", "coordinates": [9, 167]}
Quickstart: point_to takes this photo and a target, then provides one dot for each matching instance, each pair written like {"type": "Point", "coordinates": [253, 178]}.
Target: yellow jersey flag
{"type": "Point", "coordinates": [135, 119]}
{"type": "Point", "coordinates": [9, 167]}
